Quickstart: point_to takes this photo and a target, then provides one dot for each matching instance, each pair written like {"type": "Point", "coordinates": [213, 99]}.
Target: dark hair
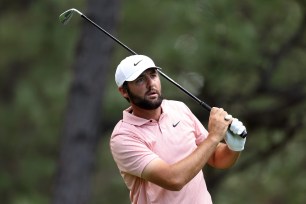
{"type": "Point", "coordinates": [126, 88]}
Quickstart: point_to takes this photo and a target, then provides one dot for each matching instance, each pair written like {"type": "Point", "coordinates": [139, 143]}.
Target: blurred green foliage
{"type": "Point", "coordinates": [34, 78]}
{"type": "Point", "coordinates": [246, 56]}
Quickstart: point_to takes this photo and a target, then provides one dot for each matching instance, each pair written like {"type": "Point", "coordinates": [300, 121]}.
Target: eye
{"type": "Point", "coordinates": [153, 74]}
{"type": "Point", "coordinates": [139, 80]}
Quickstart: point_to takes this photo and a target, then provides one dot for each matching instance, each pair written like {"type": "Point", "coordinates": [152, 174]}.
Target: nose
{"type": "Point", "coordinates": [149, 81]}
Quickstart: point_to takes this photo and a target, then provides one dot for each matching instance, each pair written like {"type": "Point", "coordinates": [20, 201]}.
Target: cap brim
{"type": "Point", "coordinates": [136, 74]}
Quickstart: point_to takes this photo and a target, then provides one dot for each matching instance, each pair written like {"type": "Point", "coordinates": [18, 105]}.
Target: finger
{"type": "Point", "coordinates": [233, 128]}
{"type": "Point", "coordinates": [241, 130]}
{"type": "Point", "coordinates": [228, 117]}
{"type": "Point", "coordinates": [218, 112]}
{"type": "Point", "coordinates": [236, 122]}
{"type": "Point", "coordinates": [214, 110]}
{"type": "Point", "coordinates": [237, 126]}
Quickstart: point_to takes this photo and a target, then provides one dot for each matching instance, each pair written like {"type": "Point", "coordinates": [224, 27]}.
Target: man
{"type": "Point", "coordinates": [160, 147]}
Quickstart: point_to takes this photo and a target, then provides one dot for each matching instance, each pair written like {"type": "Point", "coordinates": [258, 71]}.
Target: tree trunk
{"type": "Point", "coordinates": [81, 130]}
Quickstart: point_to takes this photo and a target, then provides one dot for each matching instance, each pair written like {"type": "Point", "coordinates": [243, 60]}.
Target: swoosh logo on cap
{"type": "Point", "coordinates": [135, 64]}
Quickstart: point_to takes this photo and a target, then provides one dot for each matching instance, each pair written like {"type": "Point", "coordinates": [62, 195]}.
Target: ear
{"type": "Point", "coordinates": [123, 92]}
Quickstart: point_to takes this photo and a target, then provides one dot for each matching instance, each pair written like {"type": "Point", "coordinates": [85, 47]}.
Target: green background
{"type": "Point", "coordinates": [245, 56]}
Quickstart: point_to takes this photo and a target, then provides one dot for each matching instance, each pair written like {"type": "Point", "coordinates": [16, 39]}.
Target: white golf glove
{"type": "Point", "coordinates": [232, 138]}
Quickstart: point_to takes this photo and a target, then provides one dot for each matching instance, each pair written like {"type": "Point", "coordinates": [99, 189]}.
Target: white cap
{"type": "Point", "coordinates": [131, 67]}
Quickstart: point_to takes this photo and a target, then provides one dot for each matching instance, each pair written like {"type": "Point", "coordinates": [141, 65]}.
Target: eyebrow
{"type": "Point", "coordinates": [150, 70]}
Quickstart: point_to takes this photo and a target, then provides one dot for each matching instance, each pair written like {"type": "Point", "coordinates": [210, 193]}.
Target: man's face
{"type": "Point", "coordinates": [145, 91]}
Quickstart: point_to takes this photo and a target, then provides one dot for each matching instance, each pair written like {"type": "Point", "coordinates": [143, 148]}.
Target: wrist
{"type": "Point", "coordinates": [213, 139]}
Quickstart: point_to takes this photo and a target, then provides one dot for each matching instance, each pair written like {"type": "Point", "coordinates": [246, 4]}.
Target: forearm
{"type": "Point", "coordinates": [175, 176]}
{"type": "Point", "coordinates": [189, 167]}
{"type": "Point", "coordinates": [223, 157]}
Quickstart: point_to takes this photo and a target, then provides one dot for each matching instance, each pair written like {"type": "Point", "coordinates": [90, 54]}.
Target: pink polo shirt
{"type": "Point", "coordinates": [135, 142]}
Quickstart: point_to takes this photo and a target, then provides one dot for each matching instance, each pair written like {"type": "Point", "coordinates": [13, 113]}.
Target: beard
{"type": "Point", "coordinates": [145, 103]}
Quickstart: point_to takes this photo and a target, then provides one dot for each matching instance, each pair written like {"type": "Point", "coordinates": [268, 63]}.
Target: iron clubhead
{"type": "Point", "coordinates": [65, 17]}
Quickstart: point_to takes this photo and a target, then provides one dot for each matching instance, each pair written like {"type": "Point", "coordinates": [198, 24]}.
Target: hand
{"type": "Point", "coordinates": [217, 125]}
{"type": "Point", "coordinates": [232, 138]}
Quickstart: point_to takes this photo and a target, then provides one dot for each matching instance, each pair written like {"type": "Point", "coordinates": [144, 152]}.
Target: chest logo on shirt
{"type": "Point", "coordinates": [175, 124]}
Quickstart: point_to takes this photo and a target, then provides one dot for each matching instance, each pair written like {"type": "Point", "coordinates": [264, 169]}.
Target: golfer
{"type": "Point", "coordinates": [160, 147]}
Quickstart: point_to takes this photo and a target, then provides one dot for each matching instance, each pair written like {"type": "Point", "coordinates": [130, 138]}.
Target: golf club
{"type": "Point", "coordinates": [65, 17]}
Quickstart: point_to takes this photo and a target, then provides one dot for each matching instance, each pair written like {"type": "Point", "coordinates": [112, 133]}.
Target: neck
{"type": "Point", "coordinates": [147, 114]}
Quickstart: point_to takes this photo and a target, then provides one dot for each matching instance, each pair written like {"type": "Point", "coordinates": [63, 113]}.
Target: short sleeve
{"type": "Point", "coordinates": [201, 132]}
{"type": "Point", "coordinates": [130, 153]}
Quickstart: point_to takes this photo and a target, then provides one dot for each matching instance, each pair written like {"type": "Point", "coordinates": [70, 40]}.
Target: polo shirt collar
{"type": "Point", "coordinates": [128, 117]}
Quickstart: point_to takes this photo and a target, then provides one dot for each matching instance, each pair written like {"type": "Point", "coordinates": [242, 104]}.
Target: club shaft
{"type": "Point", "coordinates": [203, 104]}
{"type": "Point", "coordinates": [107, 33]}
